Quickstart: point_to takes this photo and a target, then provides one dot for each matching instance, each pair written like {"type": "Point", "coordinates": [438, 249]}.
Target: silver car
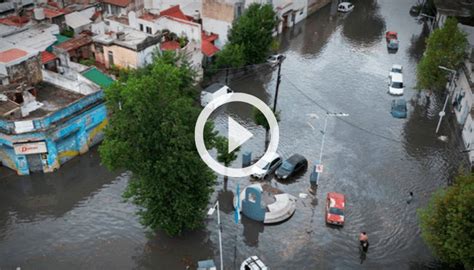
{"type": "Point", "coordinates": [270, 166]}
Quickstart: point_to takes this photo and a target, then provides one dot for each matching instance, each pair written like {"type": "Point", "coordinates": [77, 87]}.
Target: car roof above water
{"type": "Point", "coordinates": [295, 158]}
{"type": "Point", "coordinates": [397, 77]}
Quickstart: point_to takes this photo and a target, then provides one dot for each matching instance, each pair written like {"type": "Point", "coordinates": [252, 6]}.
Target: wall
{"type": "Point", "coordinates": [315, 5]}
{"type": "Point", "coordinates": [217, 27]}
{"type": "Point", "coordinates": [181, 28]}
{"type": "Point", "coordinates": [77, 83]}
{"type": "Point", "coordinates": [218, 10]}
{"type": "Point", "coordinates": [146, 56]}
{"type": "Point", "coordinates": [69, 139]}
{"type": "Point", "coordinates": [29, 70]}
{"type": "Point", "coordinates": [123, 57]}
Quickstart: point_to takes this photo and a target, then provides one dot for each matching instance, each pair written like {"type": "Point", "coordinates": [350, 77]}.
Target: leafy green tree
{"type": "Point", "coordinates": [151, 134]}
{"type": "Point", "coordinates": [253, 31]}
{"type": "Point", "coordinates": [447, 222]}
{"type": "Point", "coordinates": [221, 144]}
{"type": "Point", "coordinates": [446, 47]}
{"type": "Point", "coordinates": [231, 56]}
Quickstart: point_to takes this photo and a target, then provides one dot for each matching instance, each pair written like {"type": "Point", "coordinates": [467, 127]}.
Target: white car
{"type": "Point", "coordinates": [395, 84]}
{"type": "Point", "coordinates": [214, 91]}
{"type": "Point", "coordinates": [345, 7]}
{"type": "Point", "coordinates": [275, 59]}
{"type": "Point", "coordinates": [270, 166]}
{"type": "Point", "coordinates": [396, 69]}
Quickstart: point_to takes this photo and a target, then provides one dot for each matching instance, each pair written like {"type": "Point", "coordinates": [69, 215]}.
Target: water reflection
{"type": "Point", "coordinates": [364, 26]}
{"type": "Point", "coordinates": [44, 195]}
{"type": "Point", "coordinates": [164, 252]}
{"type": "Point", "coordinates": [418, 44]}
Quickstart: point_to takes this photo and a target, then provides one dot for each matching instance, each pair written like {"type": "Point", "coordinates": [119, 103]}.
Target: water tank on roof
{"type": "Point", "coordinates": [39, 14]}
{"type": "Point", "coordinates": [196, 15]}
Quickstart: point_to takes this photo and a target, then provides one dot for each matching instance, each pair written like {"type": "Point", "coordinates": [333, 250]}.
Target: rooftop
{"type": "Point", "coordinates": [77, 19]}
{"type": "Point", "coordinates": [47, 57]}
{"type": "Point", "coordinates": [51, 13]}
{"type": "Point", "coordinates": [53, 98]}
{"type": "Point", "coordinates": [120, 3]}
{"type": "Point", "coordinates": [11, 55]}
{"type": "Point", "coordinates": [14, 21]}
{"type": "Point", "coordinates": [37, 37]}
{"type": "Point", "coordinates": [75, 43]}
{"type": "Point", "coordinates": [170, 45]}
{"type": "Point", "coordinates": [98, 77]}
{"type": "Point", "coordinates": [131, 38]}
{"type": "Point", "coordinates": [174, 12]}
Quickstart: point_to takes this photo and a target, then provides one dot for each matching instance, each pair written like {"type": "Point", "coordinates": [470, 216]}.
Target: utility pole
{"type": "Point", "coordinates": [280, 61]}
{"type": "Point", "coordinates": [209, 213]}
{"type": "Point", "coordinates": [451, 82]}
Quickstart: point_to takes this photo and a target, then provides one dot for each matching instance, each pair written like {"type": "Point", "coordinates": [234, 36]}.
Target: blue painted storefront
{"type": "Point", "coordinates": [67, 132]}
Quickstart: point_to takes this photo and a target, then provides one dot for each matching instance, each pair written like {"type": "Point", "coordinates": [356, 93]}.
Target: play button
{"type": "Point", "coordinates": [238, 135]}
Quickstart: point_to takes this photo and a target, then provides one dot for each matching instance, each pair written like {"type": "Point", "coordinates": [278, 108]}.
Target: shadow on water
{"type": "Point", "coordinates": [365, 13]}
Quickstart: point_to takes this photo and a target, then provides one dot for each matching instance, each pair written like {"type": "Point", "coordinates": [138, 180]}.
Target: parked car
{"type": "Point", "coordinates": [398, 69]}
{"type": "Point", "coordinates": [253, 263]}
{"type": "Point", "coordinates": [275, 59]}
{"type": "Point", "coordinates": [270, 166]}
{"type": "Point", "coordinates": [335, 205]}
{"type": "Point", "coordinates": [395, 84]}
{"type": "Point", "coordinates": [345, 7]}
{"type": "Point", "coordinates": [291, 166]}
{"type": "Point", "coordinates": [389, 35]}
{"type": "Point", "coordinates": [392, 45]}
{"type": "Point", "coordinates": [399, 108]}
{"type": "Point", "coordinates": [214, 91]}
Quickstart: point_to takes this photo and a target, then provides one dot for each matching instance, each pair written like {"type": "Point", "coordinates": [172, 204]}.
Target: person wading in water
{"type": "Point", "coordinates": [364, 241]}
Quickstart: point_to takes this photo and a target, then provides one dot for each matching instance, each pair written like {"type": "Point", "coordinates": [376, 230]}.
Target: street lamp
{"type": "Point", "coordinates": [280, 61]}
{"type": "Point", "coordinates": [314, 178]}
{"type": "Point", "coordinates": [443, 113]}
{"type": "Point", "coordinates": [210, 213]}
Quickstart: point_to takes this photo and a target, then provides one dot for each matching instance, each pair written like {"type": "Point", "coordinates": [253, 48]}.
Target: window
{"type": "Point", "coordinates": [148, 30]}
{"type": "Point", "coordinates": [141, 27]}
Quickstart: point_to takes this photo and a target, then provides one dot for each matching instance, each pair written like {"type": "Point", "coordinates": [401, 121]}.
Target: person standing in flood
{"type": "Point", "coordinates": [410, 197]}
{"type": "Point", "coordinates": [364, 241]}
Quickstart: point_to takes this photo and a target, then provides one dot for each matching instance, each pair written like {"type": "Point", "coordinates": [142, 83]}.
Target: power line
{"type": "Point", "coordinates": [342, 119]}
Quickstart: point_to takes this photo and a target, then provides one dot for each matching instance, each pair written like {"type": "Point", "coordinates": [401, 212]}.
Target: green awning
{"type": "Point", "coordinates": [98, 77]}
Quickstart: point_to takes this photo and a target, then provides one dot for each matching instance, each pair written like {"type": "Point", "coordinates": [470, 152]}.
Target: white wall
{"type": "Point", "coordinates": [181, 28]}
{"type": "Point", "coordinates": [75, 82]}
{"type": "Point", "coordinates": [146, 56]}
{"type": "Point", "coordinates": [218, 27]}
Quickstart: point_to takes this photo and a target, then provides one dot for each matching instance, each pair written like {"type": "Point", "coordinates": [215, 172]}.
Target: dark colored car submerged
{"type": "Point", "coordinates": [291, 166]}
{"type": "Point", "coordinates": [399, 108]}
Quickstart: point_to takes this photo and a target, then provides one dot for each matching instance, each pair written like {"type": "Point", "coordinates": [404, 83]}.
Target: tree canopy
{"type": "Point", "coordinates": [447, 222]}
{"type": "Point", "coordinates": [446, 47]}
{"type": "Point", "coordinates": [151, 134]}
{"type": "Point", "coordinates": [251, 37]}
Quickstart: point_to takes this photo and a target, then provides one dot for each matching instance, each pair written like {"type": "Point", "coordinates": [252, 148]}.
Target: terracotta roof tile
{"type": "Point", "coordinates": [75, 43]}
{"type": "Point", "coordinates": [14, 20]}
{"type": "Point", "coordinates": [11, 54]}
{"type": "Point", "coordinates": [51, 13]}
{"type": "Point", "coordinates": [47, 57]}
{"type": "Point", "coordinates": [174, 12]}
{"type": "Point", "coordinates": [208, 49]}
{"type": "Point", "coordinates": [170, 46]}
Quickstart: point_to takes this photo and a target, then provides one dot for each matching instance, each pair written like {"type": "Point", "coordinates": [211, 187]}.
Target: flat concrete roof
{"type": "Point", "coordinates": [53, 99]}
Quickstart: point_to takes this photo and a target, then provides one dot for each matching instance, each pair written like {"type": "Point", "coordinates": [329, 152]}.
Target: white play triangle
{"type": "Point", "coordinates": [237, 135]}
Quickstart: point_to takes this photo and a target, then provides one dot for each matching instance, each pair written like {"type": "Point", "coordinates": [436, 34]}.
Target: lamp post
{"type": "Point", "coordinates": [209, 213]}
{"type": "Point", "coordinates": [280, 61]}
{"type": "Point", "coordinates": [451, 80]}
{"type": "Point", "coordinates": [314, 178]}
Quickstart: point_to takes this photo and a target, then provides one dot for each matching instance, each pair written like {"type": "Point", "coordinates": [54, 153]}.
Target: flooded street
{"type": "Point", "coordinates": [76, 218]}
